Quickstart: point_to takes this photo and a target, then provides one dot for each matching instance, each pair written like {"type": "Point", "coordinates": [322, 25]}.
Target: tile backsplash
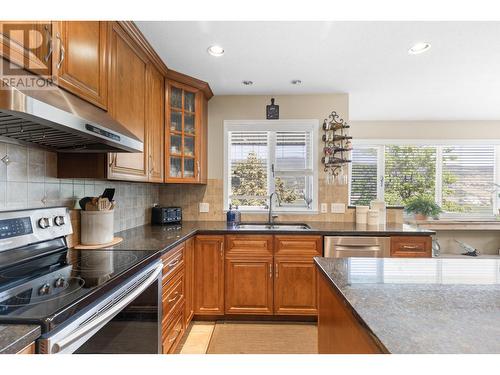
{"type": "Point", "coordinates": [28, 179]}
{"type": "Point", "coordinates": [189, 196]}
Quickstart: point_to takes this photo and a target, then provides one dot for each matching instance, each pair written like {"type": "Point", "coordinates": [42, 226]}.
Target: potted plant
{"type": "Point", "coordinates": [423, 206]}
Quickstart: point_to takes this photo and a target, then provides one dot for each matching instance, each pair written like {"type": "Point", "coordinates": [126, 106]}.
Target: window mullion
{"type": "Point", "coordinates": [380, 172]}
{"type": "Point", "coordinates": [438, 184]}
{"type": "Point", "coordinates": [271, 147]}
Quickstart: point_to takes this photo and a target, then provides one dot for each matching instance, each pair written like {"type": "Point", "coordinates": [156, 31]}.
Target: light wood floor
{"type": "Point", "coordinates": [249, 338]}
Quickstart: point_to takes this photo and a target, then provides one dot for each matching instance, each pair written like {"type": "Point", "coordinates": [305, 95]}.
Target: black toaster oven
{"type": "Point", "coordinates": [166, 215]}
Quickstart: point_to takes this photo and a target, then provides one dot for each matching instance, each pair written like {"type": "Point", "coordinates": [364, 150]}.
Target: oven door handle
{"type": "Point", "coordinates": [105, 317]}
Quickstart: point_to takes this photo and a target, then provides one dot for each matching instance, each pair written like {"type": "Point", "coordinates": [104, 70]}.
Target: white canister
{"type": "Point", "coordinates": [96, 227]}
{"type": "Point", "coordinates": [373, 217]}
{"type": "Point", "coordinates": [362, 214]}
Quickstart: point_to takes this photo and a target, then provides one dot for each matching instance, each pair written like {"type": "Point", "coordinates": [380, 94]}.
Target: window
{"type": "Point", "coordinates": [461, 178]}
{"type": "Point", "coordinates": [273, 155]}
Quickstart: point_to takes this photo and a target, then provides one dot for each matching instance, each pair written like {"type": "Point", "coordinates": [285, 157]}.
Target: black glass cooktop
{"type": "Point", "coordinates": [50, 289]}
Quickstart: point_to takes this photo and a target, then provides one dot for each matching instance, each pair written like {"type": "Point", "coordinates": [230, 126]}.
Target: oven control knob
{"type": "Point", "coordinates": [59, 220]}
{"type": "Point", "coordinates": [44, 222]}
{"type": "Point", "coordinates": [59, 283]}
{"type": "Point", "coordinates": [44, 289]}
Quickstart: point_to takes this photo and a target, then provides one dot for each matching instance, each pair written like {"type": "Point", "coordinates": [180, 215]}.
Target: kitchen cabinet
{"type": "Point", "coordinates": [127, 95]}
{"type": "Point", "coordinates": [80, 59]}
{"type": "Point", "coordinates": [209, 275]}
{"type": "Point", "coordinates": [249, 285]}
{"type": "Point", "coordinates": [155, 123]}
{"type": "Point", "coordinates": [27, 44]}
{"type": "Point", "coordinates": [295, 286]}
{"type": "Point", "coordinates": [173, 298]}
{"type": "Point", "coordinates": [189, 283]}
{"type": "Point", "coordinates": [411, 246]}
{"type": "Point", "coordinates": [185, 134]}
{"type": "Point", "coordinates": [295, 274]}
{"type": "Point", "coordinates": [249, 274]}
{"type": "Point", "coordinates": [339, 331]}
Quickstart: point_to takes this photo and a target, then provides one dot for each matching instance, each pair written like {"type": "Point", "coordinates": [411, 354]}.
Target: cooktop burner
{"type": "Point", "coordinates": [51, 288]}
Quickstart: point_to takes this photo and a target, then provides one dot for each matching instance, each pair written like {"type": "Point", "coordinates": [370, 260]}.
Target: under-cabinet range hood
{"type": "Point", "coordinates": [60, 121]}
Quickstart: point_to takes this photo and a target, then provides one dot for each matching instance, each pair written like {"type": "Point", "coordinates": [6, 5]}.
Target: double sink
{"type": "Point", "coordinates": [272, 226]}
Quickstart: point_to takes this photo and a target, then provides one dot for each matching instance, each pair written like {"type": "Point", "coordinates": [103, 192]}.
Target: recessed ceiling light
{"type": "Point", "coordinates": [215, 50]}
{"type": "Point", "coordinates": [296, 82]}
{"type": "Point", "coordinates": [419, 48]}
{"type": "Point", "coordinates": [247, 83]}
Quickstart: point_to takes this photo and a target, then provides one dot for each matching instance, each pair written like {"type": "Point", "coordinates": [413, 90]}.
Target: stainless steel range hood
{"type": "Point", "coordinates": [57, 120]}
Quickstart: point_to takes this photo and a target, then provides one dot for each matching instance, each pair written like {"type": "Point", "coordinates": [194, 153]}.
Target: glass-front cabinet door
{"type": "Point", "coordinates": [182, 133]}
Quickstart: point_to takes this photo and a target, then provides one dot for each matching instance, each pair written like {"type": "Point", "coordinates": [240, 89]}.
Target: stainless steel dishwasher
{"type": "Point", "coordinates": [345, 246]}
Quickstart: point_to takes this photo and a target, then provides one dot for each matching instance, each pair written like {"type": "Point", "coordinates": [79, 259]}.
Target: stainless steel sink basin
{"type": "Point", "coordinates": [277, 226]}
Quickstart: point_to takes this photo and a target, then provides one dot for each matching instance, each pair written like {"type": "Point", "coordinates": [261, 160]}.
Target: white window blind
{"type": "Point", "coordinates": [364, 176]}
{"type": "Point", "coordinates": [273, 156]}
{"type": "Point", "coordinates": [468, 179]}
{"type": "Point", "coordinates": [462, 179]}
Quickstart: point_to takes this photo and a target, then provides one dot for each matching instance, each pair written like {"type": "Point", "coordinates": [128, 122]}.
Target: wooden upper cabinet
{"type": "Point", "coordinates": [80, 59]}
{"type": "Point", "coordinates": [28, 44]}
{"type": "Point", "coordinates": [127, 95]}
{"type": "Point", "coordinates": [185, 134]}
{"type": "Point", "coordinates": [155, 123]}
{"type": "Point", "coordinates": [209, 275]}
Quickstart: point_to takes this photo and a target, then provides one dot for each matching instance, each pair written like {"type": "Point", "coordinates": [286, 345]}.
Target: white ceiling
{"type": "Point", "coordinates": [457, 79]}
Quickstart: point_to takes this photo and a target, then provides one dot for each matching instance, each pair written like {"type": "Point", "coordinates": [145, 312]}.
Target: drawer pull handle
{"type": "Point", "coordinates": [177, 331]}
{"type": "Point", "coordinates": [174, 263]}
{"type": "Point", "coordinates": [410, 247]}
{"type": "Point", "coordinates": [277, 270]}
{"type": "Point", "coordinates": [173, 299]}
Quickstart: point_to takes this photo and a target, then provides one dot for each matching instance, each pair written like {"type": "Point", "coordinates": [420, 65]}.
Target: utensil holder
{"type": "Point", "coordinates": [97, 227]}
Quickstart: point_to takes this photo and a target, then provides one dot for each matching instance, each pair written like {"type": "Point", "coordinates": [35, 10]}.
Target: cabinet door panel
{"type": "Point", "coordinates": [83, 68]}
{"type": "Point", "coordinates": [209, 275]}
{"type": "Point", "coordinates": [249, 286]}
{"type": "Point", "coordinates": [155, 123]}
{"type": "Point", "coordinates": [189, 259]}
{"type": "Point", "coordinates": [295, 287]}
{"type": "Point", "coordinates": [127, 104]}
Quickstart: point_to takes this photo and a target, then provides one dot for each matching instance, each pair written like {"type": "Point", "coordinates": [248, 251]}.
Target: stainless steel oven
{"type": "Point", "coordinates": [125, 320]}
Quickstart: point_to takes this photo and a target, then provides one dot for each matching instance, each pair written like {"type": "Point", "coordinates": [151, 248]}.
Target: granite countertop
{"type": "Point", "coordinates": [422, 305]}
{"type": "Point", "coordinates": [165, 237]}
{"type": "Point", "coordinates": [15, 337]}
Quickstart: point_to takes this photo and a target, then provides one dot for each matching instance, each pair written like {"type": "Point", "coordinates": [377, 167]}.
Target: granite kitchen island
{"type": "Point", "coordinates": [388, 305]}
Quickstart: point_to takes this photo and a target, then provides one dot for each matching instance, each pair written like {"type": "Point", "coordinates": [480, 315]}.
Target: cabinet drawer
{"type": "Point", "coordinates": [249, 244]}
{"type": "Point", "coordinates": [173, 295]}
{"type": "Point", "coordinates": [172, 261]}
{"type": "Point", "coordinates": [410, 247]}
{"type": "Point", "coordinates": [172, 335]}
{"type": "Point", "coordinates": [298, 245]}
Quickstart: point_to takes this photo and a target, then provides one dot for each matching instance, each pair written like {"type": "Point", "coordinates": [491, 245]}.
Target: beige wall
{"type": "Point", "coordinates": [253, 107]}
{"type": "Point", "coordinates": [426, 129]}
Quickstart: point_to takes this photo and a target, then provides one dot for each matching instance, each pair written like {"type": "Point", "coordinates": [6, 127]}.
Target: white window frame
{"type": "Point", "coordinates": [439, 144]}
{"type": "Point", "coordinates": [274, 126]}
